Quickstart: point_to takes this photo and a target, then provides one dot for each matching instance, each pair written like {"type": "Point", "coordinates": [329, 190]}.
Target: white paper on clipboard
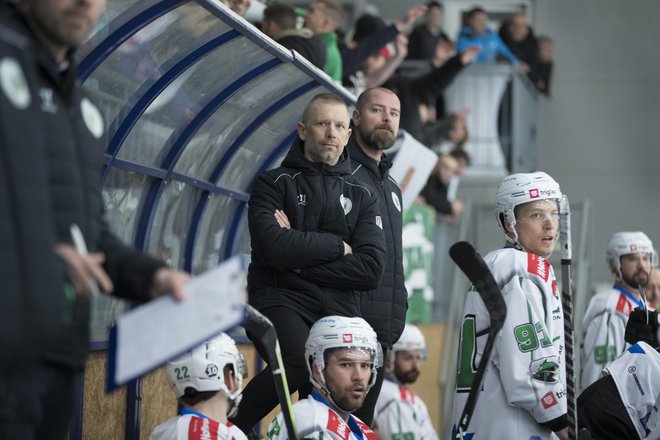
{"type": "Point", "coordinates": [146, 337]}
{"type": "Point", "coordinates": [412, 167]}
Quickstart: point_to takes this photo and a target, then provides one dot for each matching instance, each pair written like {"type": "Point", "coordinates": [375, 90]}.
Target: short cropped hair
{"type": "Point", "coordinates": [364, 96]}
{"type": "Point", "coordinates": [461, 154]}
{"type": "Point", "coordinates": [281, 13]}
{"type": "Point", "coordinates": [434, 4]}
{"type": "Point", "coordinates": [321, 98]}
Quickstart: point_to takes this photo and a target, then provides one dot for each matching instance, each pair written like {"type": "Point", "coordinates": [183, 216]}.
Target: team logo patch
{"type": "Point", "coordinates": [92, 117]}
{"type": "Point", "coordinates": [211, 370]}
{"type": "Point", "coordinates": [548, 400]}
{"type": "Point", "coordinates": [379, 222]}
{"type": "Point", "coordinates": [534, 193]}
{"type": "Point", "coordinates": [346, 204]}
{"type": "Point", "coordinates": [397, 202]}
{"type": "Point", "coordinates": [47, 102]}
{"type": "Point", "coordinates": [14, 84]}
{"type": "Point", "coordinates": [347, 338]}
{"type": "Point", "coordinates": [623, 305]}
{"type": "Point", "coordinates": [302, 199]}
{"type": "Point", "coordinates": [538, 266]}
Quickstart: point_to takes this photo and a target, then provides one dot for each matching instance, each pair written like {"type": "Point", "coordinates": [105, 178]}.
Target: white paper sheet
{"type": "Point", "coordinates": [412, 167]}
{"type": "Point", "coordinates": [148, 336]}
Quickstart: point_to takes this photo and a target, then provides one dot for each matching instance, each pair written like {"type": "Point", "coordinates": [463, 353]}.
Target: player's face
{"type": "Point", "coordinates": [653, 288]}
{"type": "Point", "coordinates": [537, 224]}
{"type": "Point", "coordinates": [377, 119]}
{"type": "Point", "coordinates": [407, 365]}
{"type": "Point", "coordinates": [635, 269]}
{"type": "Point", "coordinates": [347, 374]}
{"type": "Point", "coordinates": [62, 24]}
{"type": "Point", "coordinates": [326, 133]}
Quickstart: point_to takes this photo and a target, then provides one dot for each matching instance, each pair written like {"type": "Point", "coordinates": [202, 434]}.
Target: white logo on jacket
{"type": "Point", "coordinates": [397, 202]}
{"type": "Point", "coordinates": [302, 199]}
{"type": "Point", "coordinates": [47, 103]}
{"type": "Point", "coordinates": [346, 204]}
{"type": "Point", "coordinates": [14, 84]}
{"type": "Point", "coordinates": [92, 117]}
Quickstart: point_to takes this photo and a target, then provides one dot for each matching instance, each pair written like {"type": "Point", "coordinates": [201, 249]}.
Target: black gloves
{"type": "Point", "coordinates": [638, 329]}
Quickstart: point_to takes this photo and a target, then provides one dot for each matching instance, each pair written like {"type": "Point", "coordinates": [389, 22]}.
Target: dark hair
{"type": "Point", "coordinates": [473, 11]}
{"type": "Point", "coordinates": [434, 4]}
{"type": "Point", "coordinates": [461, 154]}
{"type": "Point", "coordinates": [192, 397]}
{"type": "Point", "coordinates": [367, 25]}
{"type": "Point", "coordinates": [281, 13]}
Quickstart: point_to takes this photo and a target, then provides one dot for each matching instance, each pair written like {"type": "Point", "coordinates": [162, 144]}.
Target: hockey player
{"type": "Point", "coordinates": [400, 413]}
{"type": "Point", "coordinates": [629, 255]}
{"type": "Point", "coordinates": [342, 355]}
{"type": "Point", "coordinates": [625, 402]}
{"type": "Point", "coordinates": [207, 381]}
{"type": "Point", "coordinates": [523, 395]}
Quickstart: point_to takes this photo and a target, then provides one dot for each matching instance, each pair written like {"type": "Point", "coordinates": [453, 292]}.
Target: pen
{"type": "Point", "coordinates": [81, 247]}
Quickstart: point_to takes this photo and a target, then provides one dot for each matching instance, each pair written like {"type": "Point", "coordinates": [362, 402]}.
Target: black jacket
{"type": "Point", "coordinates": [306, 44]}
{"type": "Point", "coordinates": [51, 156]}
{"type": "Point", "coordinates": [304, 268]}
{"type": "Point", "coordinates": [384, 308]}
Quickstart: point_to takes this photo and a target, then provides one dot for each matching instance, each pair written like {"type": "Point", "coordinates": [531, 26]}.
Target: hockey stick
{"type": "Point", "coordinates": [567, 303]}
{"type": "Point", "coordinates": [260, 327]}
{"type": "Point", "coordinates": [474, 266]}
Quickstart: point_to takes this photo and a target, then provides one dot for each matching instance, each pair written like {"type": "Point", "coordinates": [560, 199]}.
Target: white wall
{"type": "Point", "coordinates": [599, 132]}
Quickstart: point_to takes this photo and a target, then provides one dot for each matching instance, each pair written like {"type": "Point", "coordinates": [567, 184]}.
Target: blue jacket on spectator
{"type": "Point", "coordinates": [491, 44]}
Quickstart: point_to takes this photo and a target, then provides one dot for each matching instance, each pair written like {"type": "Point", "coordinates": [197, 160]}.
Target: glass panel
{"type": "Point", "coordinates": [246, 162]}
{"type": "Point", "coordinates": [130, 70]}
{"type": "Point", "coordinates": [211, 142]}
{"type": "Point", "coordinates": [123, 194]}
{"type": "Point", "coordinates": [172, 222]}
{"type": "Point", "coordinates": [244, 237]}
{"type": "Point", "coordinates": [168, 115]}
{"type": "Point", "coordinates": [211, 236]}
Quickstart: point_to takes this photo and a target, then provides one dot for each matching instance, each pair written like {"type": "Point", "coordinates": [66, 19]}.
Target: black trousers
{"type": "Point", "coordinates": [602, 412]}
{"type": "Point", "coordinates": [37, 402]}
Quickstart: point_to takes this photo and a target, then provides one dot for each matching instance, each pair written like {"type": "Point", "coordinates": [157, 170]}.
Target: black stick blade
{"type": "Point", "coordinates": [477, 271]}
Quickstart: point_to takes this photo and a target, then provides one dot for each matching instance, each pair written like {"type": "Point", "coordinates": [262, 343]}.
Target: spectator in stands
{"type": "Point", "coordinates": [353, 55]}
{"type": "Point", "coordinates": [239, 6]}
{"type": "Point", "coordinates": [444, 135]}
{"type": "Point", "coordinates": [476, 33]}
{"type": "Point", "coordinates": [435, 191]}
{"type": "Point", "coordinates": [425, 37]}
{"type": "Point", "coordinates": [380, 67]}
{"type": "Point", "coordinates": [317, 243]}
{"type": "Point", "coordinates": [413, 92]}
{"type": "Point", "coordinates": [207, 382]}
{"type": "Point", "coordinates": [546, 57]}
{"type": "Point", "coordinates": [279, 23]}
{"type": "Point", "coordinates": [519, 38]}
{"type": "Point", "coordinates": [323, 17]}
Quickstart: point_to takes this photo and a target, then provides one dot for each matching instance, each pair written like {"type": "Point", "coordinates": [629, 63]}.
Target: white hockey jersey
{"type": "Point", "coordinates": [195, 427]}
{"type": "Point", "coordinates": [604, 327]}
{"type": "Point", "coordinates": [401, 414]}
{"type": "Point", "coordinates": [637, 377]}
{"type": "Point", "coordinates": [524, 382]}
{"type": "Point", "coordinates": [316, 420]}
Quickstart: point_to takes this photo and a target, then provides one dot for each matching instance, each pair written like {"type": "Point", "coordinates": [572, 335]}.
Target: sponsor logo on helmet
{"type": "Point", "coordinates": [633, 248]}
{"type": "Point", "coordinates": [211, 370]}
{"type": "Point", "coordinates": [548, 400]}
{"type": "Point", "coordinates": [347, 338]}
{"type": "Point", "coordinates": [534, 193]}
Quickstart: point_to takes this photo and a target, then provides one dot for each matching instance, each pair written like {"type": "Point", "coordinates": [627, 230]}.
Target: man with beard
{"type": "Point", "coordinates": [629, 255]}
{"type": "Point", "coordinates": [342, 355]}
{"type": "Point", "coordinates": [375, 127]}
{"type": "Point", "coordinates": [400, 412]}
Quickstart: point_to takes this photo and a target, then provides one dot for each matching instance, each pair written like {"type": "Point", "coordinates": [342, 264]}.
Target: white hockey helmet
{"type": "Point", "coordinates": [411, 339]}
{"type": "Point", "coordinates": [341, 332]}
{"type": "Point", "coordinates": [518, 189]}
{"type": "Point", "coordinates": [626, 243]}
{"type": "Point", "coordinates": [202, 368]}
